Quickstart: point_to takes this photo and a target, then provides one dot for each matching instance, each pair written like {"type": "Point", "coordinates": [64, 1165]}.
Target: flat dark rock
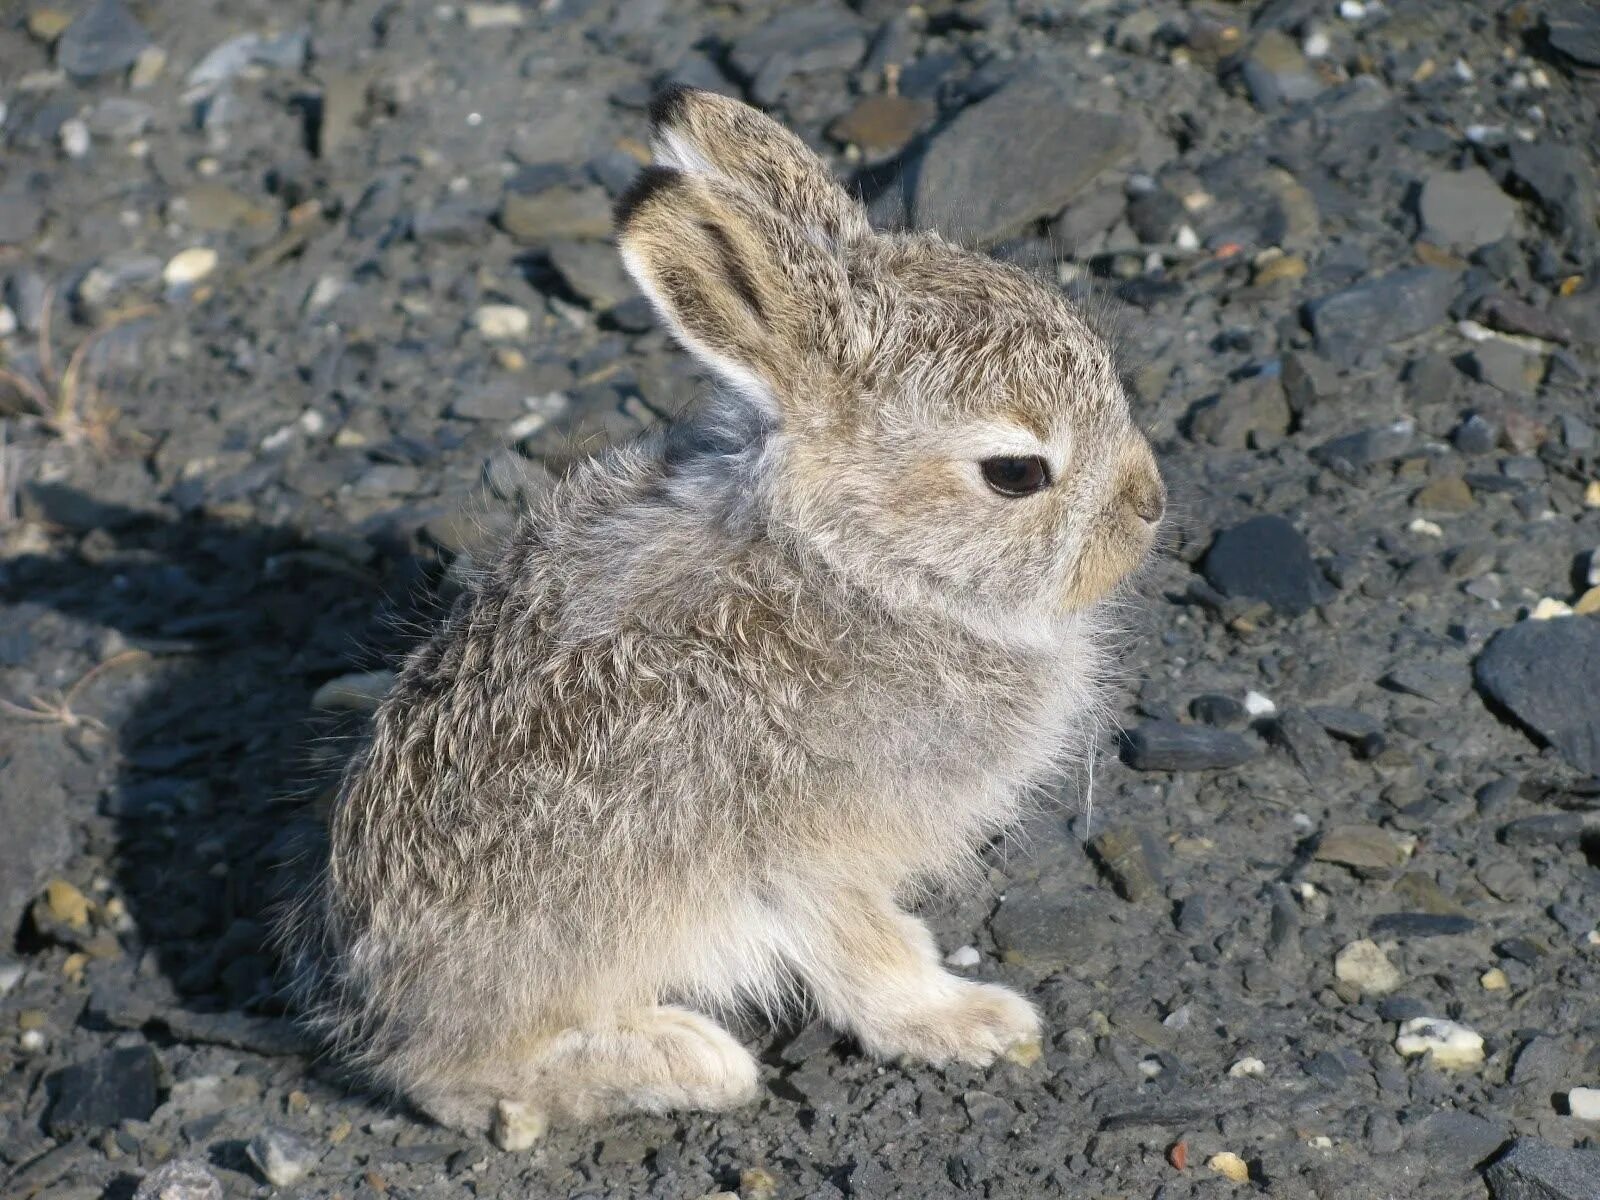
{"type": "Point", "coordinates": [1377, 311]}
{"type": "Point", "coordinates": [1016, 156]}
{"type": "Point", "coordinates": [105, 38]}
{"type": "Point", "coordinates": [1266, 558]}
{"type": "Point", "coordinates": [1417, 924]}
{"type": "Point", "coordinates": [1174, 746]}
{"type": "Point", "coordinates": [1543, 673]}
{"type": "Point", "coordinates": [1535, 1170]}
{"type": "Point", "coordinates": [117, 1086]}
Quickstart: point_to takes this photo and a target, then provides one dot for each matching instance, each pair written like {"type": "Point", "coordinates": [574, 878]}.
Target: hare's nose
{"type": "Point", "coordinates": [1142, 490]}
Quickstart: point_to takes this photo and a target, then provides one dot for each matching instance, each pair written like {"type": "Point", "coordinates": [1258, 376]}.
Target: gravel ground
{"type": "Point", "coordinates": [299, 298]}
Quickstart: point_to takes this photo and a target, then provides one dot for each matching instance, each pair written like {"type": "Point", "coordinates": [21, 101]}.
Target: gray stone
{"type": "Point", "coordinates": [283, 1158]}
{"type": "Point", "coordinates": [1574, 30]}
{"type": "Point", "coordinates": [1377, 311]}
{"type": "Point", "coordinates": [1562, 181]}
{"type": "Point", "coordinates": [1543, 673]}
{"type": "Point", "coordinates": [1016, 156]}
{"type": "Point", "coordinates": [1249, 412]}
{"type": "Point", "coordinates": [117, 1086]}
{"type": "Point", "coordinates": [1265, 558]}
{"type": "Point", "coordinates": [180, 1179]}
{"type": "Point", "coordinates": [1131, 860]}
{"type": "Point", "coordinates": [104, 39]}
{"type": "Point", "coordinates": [1351, 453]}
{"type": "Point", "coordinates": [551, 214]}
{"type": "Point", "coordinates": [1173, 746]}
{"type": "Point", "coordinates": [33, 812]}
{"type": "Point", "coordinates": [1506, 366]}
{"type": "Point", "coordinates": [21, 214]}
{"type": "Point", "coordinates": [1459, 1140]}
{"type": "Point", "coordinates": [1535, 1170]}
{"type": "Point", "coordinates": [1276, 73]}
{"type": "Point", "coordinates": [1464, 209]}
{"type": "Point", "coordinates": [594, 271]}
{"type": "Point", "coordinates": [814, 37]}
{"type": "Point", "coordinates": [1419, 924]}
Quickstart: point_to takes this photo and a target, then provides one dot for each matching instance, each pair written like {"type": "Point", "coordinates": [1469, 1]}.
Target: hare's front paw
{"type": "Point", "coordinates": [972, 1023]}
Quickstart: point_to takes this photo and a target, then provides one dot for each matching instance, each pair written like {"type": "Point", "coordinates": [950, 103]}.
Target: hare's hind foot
{"type": "Point", "coordinates": [652, 1060]}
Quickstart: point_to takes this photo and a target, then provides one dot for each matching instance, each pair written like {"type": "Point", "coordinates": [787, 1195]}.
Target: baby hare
{"type": "Point", "coordinates": [735, 691]}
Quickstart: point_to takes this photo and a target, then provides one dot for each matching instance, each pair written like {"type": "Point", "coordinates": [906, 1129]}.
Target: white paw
{"type": "Point", "coordinates": [705, 1067]}
{"type": "Point", "coordinates": [975, 1023]}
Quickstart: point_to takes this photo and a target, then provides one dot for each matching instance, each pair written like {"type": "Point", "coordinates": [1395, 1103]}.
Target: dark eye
{"type": "Point", "coordinates": [1019, 476]}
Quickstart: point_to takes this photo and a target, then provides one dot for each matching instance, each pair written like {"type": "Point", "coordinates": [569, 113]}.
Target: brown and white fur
{"type": "Point", "coordinates": [735, 691]}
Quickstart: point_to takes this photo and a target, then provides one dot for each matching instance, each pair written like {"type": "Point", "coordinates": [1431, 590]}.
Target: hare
{"type": "Point", "coordinates": [734, 692]}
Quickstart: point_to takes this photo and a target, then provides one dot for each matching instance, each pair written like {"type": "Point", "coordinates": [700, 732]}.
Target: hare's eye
{"type": "Point", "coordinates": [1016, 476]}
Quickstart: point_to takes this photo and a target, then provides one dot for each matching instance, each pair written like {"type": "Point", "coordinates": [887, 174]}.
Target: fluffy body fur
{"type": "Point", "coordinates": [734, 691]}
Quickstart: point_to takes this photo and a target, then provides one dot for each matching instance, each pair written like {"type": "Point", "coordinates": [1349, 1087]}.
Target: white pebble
{"type": "Point", "coordinates": [313, 422]}
{"type": "Point", "coordinates": [1363, 965]}
{"type": "Point", "coordinates": [1539, 79]}
{"type": "Point", "coordinates": [963, 956]}
{"type": "Point", "coordinates": [1352, 10]}
{"type": "Point", "coordinates": [1463, 71]}
{"type": "Point", "coordinates": [1187, 238]}
{"type": "Point", "coordinates": [1321, 1142]}
{"type": "Point", "coordinates": [1448, 1044]}
{"type": "Point", "coordinates": [1548, 608]}
{"type": "Point", "coordinates": [1584, 1103]}
{"type": "Point", "coordinates": [1247, 1068]}
{"type": "Point", "coordinates": [8, 321]}
{"type": "Point", "coordinates": [10, 975]}
{"type": "Point", "coordinates": [189, 266]}
{"type": "Point", "coordinates": [1316, 45]}
{"type": "Point", "coordinates": [493, 16]}
{"type": "Point", "coordinates": [323, 292]}
{"type": "Point", "coordinates": [501, 321]}
{"type": "Point", "coordinates": [1259, 705]}
{"type": "Point", "coordinates": [1593, 577]}
{"type": "Point", "coordinates": [32, 1040]}
{"type": "Point", "coordinates": [1425, 528]}
{"type": "Point", "coordinates": [74, 135]}
{"type": "Point", "coordinates": [1150, 1067]}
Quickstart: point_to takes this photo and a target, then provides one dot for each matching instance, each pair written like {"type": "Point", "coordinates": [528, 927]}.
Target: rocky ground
{"type": "Point", "coordinates": [299, 297]}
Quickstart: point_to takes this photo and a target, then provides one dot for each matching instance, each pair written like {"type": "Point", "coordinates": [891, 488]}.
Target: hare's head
{"type": "Point", "coordinates": [935, 417]}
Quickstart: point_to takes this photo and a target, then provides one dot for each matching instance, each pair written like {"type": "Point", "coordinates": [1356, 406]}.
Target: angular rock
{"type": "Point", "coordinates": [104, 39]}
{"type": "Point", "coordinates": [1574, 30]}
{"type": "Point", "coordinates": [1265, 558]}
{"type": "Point", "coordinates": [1363, 965]}
{"type": "Point", "coordinates": [1251, 412]}
{"type": "Point", "coordinates": [535, 218]}
{"type": "Point", "coordinates": [283, 1158]}
{"type": "Point", "coordinates": [1276, 72]}
{"type": "Point", "coordinates": [882, 124]}
{"type": "Point", "coordinates": [1420, 924]}
{"type": "Point", "coordinates": [21, 215]}
{"type": "Point", "coordinates": [1131, 859]}
{"type": "Point", "coordinates": [814, 37]}
{"type": "Point", "coordinates": [1377, 311]}
{"type": "Point", "coordinates": [1535, 1170]}
{"type": "Point", "coordinates": [180, 1179]}
{"type": "Point", "coordinates": [119, 1085]}
{"type": "Point", "coordinates": [1351, 453]}
{"type": "Point", "coordinates": [1543, 673]}
{"type": "Point", "coordinates": [1562, 181]}
{"type": "Point", "coordinates": [1459, 1141]}
{"type": "Point", "coordinates": [593, 271]}
{"type": "Point", "coordinates": [1464, 209]}
{"type": "Point", "coordinates": [1014, 157]}
{"type": "Point", "coordinates": [1173, 746]}
{"type": "Point", "coordinates": [1364, 847]}
{"type": "Point", "coordinates": [33, 813]}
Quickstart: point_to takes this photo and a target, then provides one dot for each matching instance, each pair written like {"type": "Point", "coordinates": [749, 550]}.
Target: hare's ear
{"type": "Point", "coordinates": [747, 292]}
{"type": "Point", "coordinates": [704, 134]}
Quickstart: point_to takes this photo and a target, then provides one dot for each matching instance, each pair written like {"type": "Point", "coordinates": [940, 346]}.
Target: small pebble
{"type": "Point", "coordinates": [1548, 608]}
{"type": "Point", "coordinates": [1247, 1068]}
{"type": "Point", "coordinates": [1448, 1044]}
{"type": "Point", "coordinates": [180, 1179]}
{"type": "Point", "coordinates": [1230, 1166]}
{"type": "Point", "coordinates": [1363, 965]}
{"type": "Point", "coordinates": [1591, 494]}
{"type": "Point", "coordinates": [1494, 980]}
{"type": "Point", "coordinates": [1258, 705]}
{"type": "Point", "coordinates": [283, 1158]}
{"type": "Point", "coordinates": [498, 322]}
{"type": "Point", "coordinates": [190, 266]}
{"type": "Point", "coordinates": [74, 135]}
{"type": "Point", "coordinates": [1584, 1103]}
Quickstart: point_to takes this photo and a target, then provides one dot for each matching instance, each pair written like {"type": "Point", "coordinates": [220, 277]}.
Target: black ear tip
{"type": "Point", "coordinates": [667, 106]}
{"type": "Point", "coordinates": [652, 180]}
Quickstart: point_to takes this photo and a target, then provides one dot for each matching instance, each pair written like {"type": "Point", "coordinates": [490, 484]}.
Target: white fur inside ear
{"type": "Point", "coordinates": [670, 148]}
{"type": "Point", "coordinates": [735, 376]}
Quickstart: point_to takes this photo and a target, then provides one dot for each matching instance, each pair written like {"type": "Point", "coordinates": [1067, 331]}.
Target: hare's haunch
{"type": "Point", "coordinates": [732, 692]}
